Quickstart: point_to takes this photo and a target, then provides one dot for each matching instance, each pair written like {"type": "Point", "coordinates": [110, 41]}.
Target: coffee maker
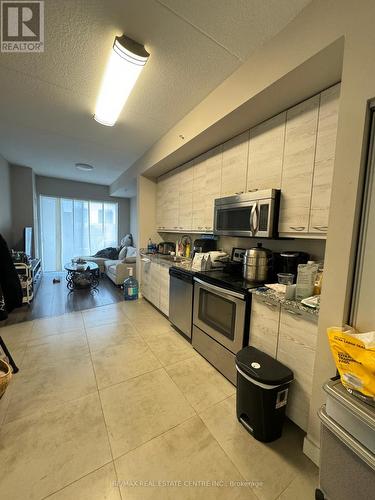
{"type": "Point", "coordinates": [287, 262]}
{"type": "Point", "coordinates": [204, 245]}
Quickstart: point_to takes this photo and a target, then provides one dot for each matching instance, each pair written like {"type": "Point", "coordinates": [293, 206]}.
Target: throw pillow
{"type": "Point", "coordinates": [132, 252]}
{"type": "Point", "coordinates": [123, 253]}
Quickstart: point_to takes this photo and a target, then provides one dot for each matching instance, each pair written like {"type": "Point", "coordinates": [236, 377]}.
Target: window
{"type": "Point", "coordinates": [70, 228]}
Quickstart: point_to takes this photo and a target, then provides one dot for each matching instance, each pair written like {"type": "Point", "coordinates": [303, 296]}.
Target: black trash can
{"type": "Point", "coordinates": [262, 393]}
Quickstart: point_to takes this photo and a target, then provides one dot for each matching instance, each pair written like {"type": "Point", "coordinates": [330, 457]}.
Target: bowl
{"type": "Point", "coordinates": [285, 278]}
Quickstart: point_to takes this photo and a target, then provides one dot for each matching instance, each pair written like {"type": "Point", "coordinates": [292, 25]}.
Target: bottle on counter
{"type": "Point", "coordinates": [130, 287]}
{"type": "Point", "coordinates": [149, 246]}
{"type": "Point", "coordinates": [306, 279]}
{"type": "Point", "coordinates": [318, 282]}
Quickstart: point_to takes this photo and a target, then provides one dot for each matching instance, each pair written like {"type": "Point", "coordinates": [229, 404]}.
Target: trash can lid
{"type": "Point", "coordinates": [262, 368]}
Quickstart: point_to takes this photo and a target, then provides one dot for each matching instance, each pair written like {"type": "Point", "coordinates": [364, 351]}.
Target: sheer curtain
{"type": "Point", "coordinates": [70, 228]}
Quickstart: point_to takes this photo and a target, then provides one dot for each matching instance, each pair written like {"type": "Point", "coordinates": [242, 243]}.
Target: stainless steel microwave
{"type": "Point", "coordinates": [253, 214]}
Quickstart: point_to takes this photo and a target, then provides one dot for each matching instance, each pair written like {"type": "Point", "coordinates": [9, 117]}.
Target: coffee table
{"type": "Point", "coordinates": [83, 275]}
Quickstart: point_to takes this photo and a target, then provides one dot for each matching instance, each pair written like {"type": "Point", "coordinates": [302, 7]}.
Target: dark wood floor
{"type": "Point", "coordinates": [54, 299]}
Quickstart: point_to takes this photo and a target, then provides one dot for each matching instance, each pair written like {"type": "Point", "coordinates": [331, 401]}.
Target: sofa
{"type": "Point", "coordinates": [116, 270]}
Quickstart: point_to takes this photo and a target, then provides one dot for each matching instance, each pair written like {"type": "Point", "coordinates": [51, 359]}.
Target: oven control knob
{"type": "Point", "coordinates": [255, 365]}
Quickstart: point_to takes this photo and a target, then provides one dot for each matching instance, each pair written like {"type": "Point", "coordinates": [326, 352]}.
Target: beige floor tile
{"type": "Point", "coordinates": [123, 361]}
{"type": "Point", "coordinates": [142, 408]}
{"type": "Point", "coordinates": [42, 453]}
{"type": "Point", "coordinates": [53, 348]}
{"type": "Point", "coordinates": [99, 485]}
{"type": "Point", "coordinates": [49, 386]}
{"type": "Point", "coordinates": [169, 347]}
{"type": "Point", "coordinates": [16, 335]}
{"type": "Point", "coordinates": [107, 335]}
{"type": "Point", "coordinates": [304, 485]}
{"type": "Point", "coordinates": [56, 324]}
{"type": "Point", "coordinates": [149, 325]}
{"type": "Point", "coordinates": [274, 464]}
{"type": "Point", "coordinates": [202, 385]}
{"type": "Point", "coordinates": [184, 454]}
{"type": "Point", "coordinates": [103, 315]}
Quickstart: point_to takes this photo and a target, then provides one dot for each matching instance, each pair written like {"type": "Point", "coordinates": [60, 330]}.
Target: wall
{"type": "Point", "coordinates": [5, 201]}
{"type": "Point", "coordinates": [146, 213]}
{"type": "Point", "coordinates": [134, 220]}
{"type": "Point", "coordinates": [23, 191]}
{"type": "Point", "coordinates": [50, 186]}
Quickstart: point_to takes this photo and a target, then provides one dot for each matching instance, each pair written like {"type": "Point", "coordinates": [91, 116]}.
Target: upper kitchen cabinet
{"type": "Point", "coordinates": [298, 166]}
{"type": "Point", "coordinates": [167, 202]}
{"type": "Point", "coordinates": [234, 165]}
{"type": "Point", "coordinates": [213, 165]}
{"type": "Point", "coordinates": [266, 149]}
{"type": "Point", "coordinates": [199, 193]}
{"type": "Point", "coordinates": [185, 196]}
{"type": "Point", "coordinates": [324, 159]}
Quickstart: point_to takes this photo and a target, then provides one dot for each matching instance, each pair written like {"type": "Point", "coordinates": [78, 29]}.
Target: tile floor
{"type": "Point", "coordinates": [111, 403]}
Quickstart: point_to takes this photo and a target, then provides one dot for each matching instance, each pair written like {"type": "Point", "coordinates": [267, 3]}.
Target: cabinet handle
{"type": "Point", "coordinates": [297, 228]}
{"type": "Point", "coordinates": [239, 192]}
{"type": "Point", "coordinates": [320, 228]}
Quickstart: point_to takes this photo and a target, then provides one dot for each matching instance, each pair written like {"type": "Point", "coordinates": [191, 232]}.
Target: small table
{"type": "Point", "coordinates": [82, 275]}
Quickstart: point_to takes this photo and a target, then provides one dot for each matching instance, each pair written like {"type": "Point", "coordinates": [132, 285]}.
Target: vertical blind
{"type": "Point", "coordinates": [72, 228]}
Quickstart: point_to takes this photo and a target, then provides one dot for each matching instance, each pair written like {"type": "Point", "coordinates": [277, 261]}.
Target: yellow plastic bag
{"type": "Point", "coordinates": [354, 355]}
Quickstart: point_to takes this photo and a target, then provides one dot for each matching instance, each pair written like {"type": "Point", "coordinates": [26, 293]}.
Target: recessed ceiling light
{"type": "Point", "coordinates": [84, 166]}
{"type": "Point", "coordinates": [123, 69]}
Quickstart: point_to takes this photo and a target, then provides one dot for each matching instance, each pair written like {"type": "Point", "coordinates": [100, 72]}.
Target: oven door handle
{"type": "Point", "coordinates": [219, 290]}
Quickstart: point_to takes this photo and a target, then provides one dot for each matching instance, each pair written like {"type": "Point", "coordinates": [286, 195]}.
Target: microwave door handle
{"type": "Point", "coordinates": [252, 214]}
{"type": "Point", "coordinates": [254, 219]}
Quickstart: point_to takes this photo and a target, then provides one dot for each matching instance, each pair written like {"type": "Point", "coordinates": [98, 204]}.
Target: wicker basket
{"type": "Point", "coordinates": [5, 376]}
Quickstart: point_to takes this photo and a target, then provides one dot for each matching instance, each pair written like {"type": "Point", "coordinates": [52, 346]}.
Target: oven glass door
{"type": "Point", "coordinates": [234, 219]}
{"type": "Point", "coordinates": [220, 315]}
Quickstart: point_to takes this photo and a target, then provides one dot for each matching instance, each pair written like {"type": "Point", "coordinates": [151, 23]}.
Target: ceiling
{"type": "Point", "coordinates": [47, 100]}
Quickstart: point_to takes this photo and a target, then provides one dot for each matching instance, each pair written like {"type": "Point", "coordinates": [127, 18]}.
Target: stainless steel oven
{"type": "Point", "coordinates": [220, 313]}
{"type": "Point", "coordinates": [253, 214]}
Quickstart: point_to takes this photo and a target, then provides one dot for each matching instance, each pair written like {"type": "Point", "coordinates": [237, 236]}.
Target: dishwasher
{"type": "Point", "coordinates": [181, 299]}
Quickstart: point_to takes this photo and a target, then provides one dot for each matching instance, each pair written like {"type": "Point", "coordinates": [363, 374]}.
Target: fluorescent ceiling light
{"type": "Point", "coordinates": [84, 166]}
{"type": "Point", "coordinates": [123, 69]}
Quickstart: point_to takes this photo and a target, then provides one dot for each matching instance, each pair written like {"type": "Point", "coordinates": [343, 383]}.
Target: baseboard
{"type": "Point", "coordinates": [311, 450]}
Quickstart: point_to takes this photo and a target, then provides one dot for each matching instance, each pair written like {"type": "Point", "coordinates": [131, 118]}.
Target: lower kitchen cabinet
{"type": "Point", "coordinates": [296, 349]}
{"type": "Point", "coordinates": [155, 283]}
{"type": "Point", "coordinates": [289, 336]}
{"type": "Point", "coordinates": [264, 326]}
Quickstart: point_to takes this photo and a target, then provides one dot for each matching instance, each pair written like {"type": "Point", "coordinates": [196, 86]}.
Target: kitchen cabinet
{"type": "Point", "coordinates": [164, 288]}
{"type": "Point", "coordinates": [185, 199]}
{"type": "Point", "coordinates": [234, 165]}
{"type": "Point", "coordinates": [264, 325]}
{"type": "Point", "coordinates": [266, 149]}
{"type": "Point", "coordinates": [296, 349]}
{"type": "Point", "coordinates": [298, 166]}
{"type": "Point", "coordinates": [324, 159]}
{"type": "Point", "coordinates": [213, 164]}
{"type": "Point", "coordinates": [146, 277]}
{"type": "Point", "coordinates": [155, 284]}
{"type": "Point", "coordinates": [199, 194]}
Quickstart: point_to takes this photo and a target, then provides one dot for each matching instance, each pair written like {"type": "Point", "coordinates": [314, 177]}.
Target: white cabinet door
{"type": "Point", "coordinates": [264, 325]}
{"type": "Point", "coordinates": [164, 289]}
{"type": "Point", "coordinates": [145, 277]}
{"type": "Point", "coordinates": [199, 194]}
{"type": "Point", "coordinates": [161, 203]}
{"type": "Point", "coordinates": [296, 349]}
{"type": "Point", "coordinates": [298, 166]}
{"type": "Point", "coordinates": [266, 149]}
{"type": "Point", "coordinates": [171, 204]}
{"type": "Point", "coordinates": [213, 165]}
{"type": "Point", "coordinates": [234, 167]}
{"type": "Point", "coordinates": [324, 159]}
{"type": "Point", "coordinates": [155, 284]}
{"type": "Point", "coordinates": [185, 206]}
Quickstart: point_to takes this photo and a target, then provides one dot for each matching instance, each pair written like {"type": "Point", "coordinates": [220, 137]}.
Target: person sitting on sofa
{"type": "Point", "coordinates": [115, 262]}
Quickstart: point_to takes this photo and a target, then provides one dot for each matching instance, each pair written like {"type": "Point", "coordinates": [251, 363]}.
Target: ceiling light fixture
{"type": "Point", "coordinates": [84, 166]}
{"type": "Point", "coordinates": [123, 69]}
